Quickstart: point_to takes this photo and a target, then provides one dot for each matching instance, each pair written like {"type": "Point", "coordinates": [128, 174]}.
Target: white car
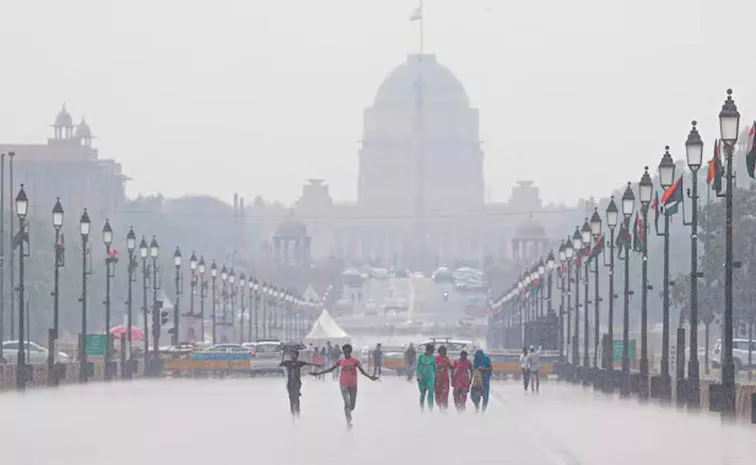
{"type": "Point", "coordinates": [36, 354]}
{"type": "Point", "coordinates": [266, 357]}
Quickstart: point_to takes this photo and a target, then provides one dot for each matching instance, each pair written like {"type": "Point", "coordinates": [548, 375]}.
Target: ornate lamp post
{"type": "Point", "coordinates": [85, 226]}
{"type": "Point", "coordinates": [577, 245]}
{"type": "Point", "coordinates": [628, 205]}
{"type": "Point", "coordinates": [107, 239]}
{"type": "Point", "coordinates": [232, 299]}
{"type": "Point", "coordinates": [585, 237]}
{"type": "Point", "coordinates": [130, 246]}
{"type": "Point", "coordinates": [224, 294]}
{"type": "Point", "coordinates": [57, 219]}
{"type": "Point", "coordinates": [213, 277]}
{"type": "Point", "coordinates": [176, 314]}
{"type": "Point", "coordinates": [154, 254]}
{"type": "Point", "coordinates": [569, 253]}
{"type": "Point", "coordinates": [595, 234]}
{"type": "Point", "coordinates": [22, 206]}
{"type": "Point", "coordinates": [242, 286]}
{"type": "Point", "coordinates": [612, 218]}
{"type": "Point", "coordinates": [193, 264]}
{"type": "Point", "coordinates": [666, 179]}
{"type": "Point", "coordinates": [645, 188]}
{"type": "Point", "coordinates": [729, 122]}
{"type": "Point", "coordinates": [143, 253]}
{"type": "Point", "coordinates": [203, 294]}
{"type": "Point", "coordinates": [562, 293]}
{"type": "Point", "coordinates": [694, 156]}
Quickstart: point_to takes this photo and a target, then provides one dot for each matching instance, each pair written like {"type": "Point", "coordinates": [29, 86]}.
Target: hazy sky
{"type": "Point", "coordinates": [255, 96]}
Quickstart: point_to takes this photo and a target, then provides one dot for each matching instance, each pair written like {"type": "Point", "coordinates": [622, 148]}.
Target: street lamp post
{"type": "Point", "coordinates": [154, 253]}
{"type": "Point", "coordinates": [612, 218]}
{"type": "Point", "coordinates": [265, 304]}
{"type": "Point", "coordinates": [596, 233]}
{"type": "Point", "coordinates": [232, 299]}
{"type": "Point", "coordinates": [193, 264]}
{"type": "Point", "coordinates": [176, 314]}
{"type": "Point", "coordinates": [694, 155]}
{"type": "Point", "coordinates": [242, 286]}
{"type": "Point", "coordinates": [213, 277]}
{"type": "Point", "coordinates": [203, 294]}
{"type": "Point", "coordinates": [85, 225]}
{"type": "Point", "coordinates": [585, 237]}
{"type": "Point", "coordinates": [577, 243]}
{"type": "Point", "coordinates": [666, 179]}
{"type": "Point", "coordinates": [562, 293]}
{"type": "Point", "coordinates": [729, 122]}
{"type": "Point", "coordinates": [224, 294]}
{"type": "Point", "coordinates": [628, 205]}
{"type": "Point", "coordinates": [252, 304]}
{"type": "Point", "coordinates": [130, 246]}
{"type": "Point", "coordinates": [569, 253]}
{"type": "Point", "coordinates": [645, 187]}
{"type": "Point", "coordinates": [143, 253]}
{"type": "Point", "coordinates": [57, 217]}
{"type": "Point", "coordinates": [107, 239]}
{"type": "Point", "coordinates": [22, 370]}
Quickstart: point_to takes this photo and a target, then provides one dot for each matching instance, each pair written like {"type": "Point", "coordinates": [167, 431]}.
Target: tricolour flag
{"type": "Point", "coordinates": [655, 208]}
{"type": "Point", "coordinates": [715, 169]}
{"type": "Point", "coordinates": [624, 240]}
{"type": "Point", "coordinates": [673, 197]}
{"type": "Point", "coordinates": [751, 151]}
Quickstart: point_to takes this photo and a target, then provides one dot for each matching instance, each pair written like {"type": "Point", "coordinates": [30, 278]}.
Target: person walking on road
{"type": "Point", "coordinates": [293, 368]}
{"type": "Point", "coordinates": [481, 387]}
{"type": "Point", "coordinates": [426, 376]}
{"type": "Point", "coordinates": [461, 377]}
{"type": "Point", "coordinates": [524, 365]}
{"type": "Point", "coordinates": [348, 380]}
{"type": "Point", "coordinates": [377, 360]}
{"type": "Point", "coordinates": [443, 366]}
{"type": "Point", "coordinates": [410, 357]}
{"type": "Point", "coordinates": [534, 366]}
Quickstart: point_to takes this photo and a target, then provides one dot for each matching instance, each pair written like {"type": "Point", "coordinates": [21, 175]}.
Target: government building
{"type": "Point", "coordinates": [421, 190]}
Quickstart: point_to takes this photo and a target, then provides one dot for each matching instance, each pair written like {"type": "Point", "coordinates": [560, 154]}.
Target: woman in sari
{"type": "Point", "coordinates": [481, 386]}
{"type": "Point", "coordinates": [461, 380]}
{"type": "Point", "coordinates": [443, 364]}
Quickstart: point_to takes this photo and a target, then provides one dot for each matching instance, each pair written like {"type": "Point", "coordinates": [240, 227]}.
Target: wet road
{"type": "Point", "coordinates": [192, 422]}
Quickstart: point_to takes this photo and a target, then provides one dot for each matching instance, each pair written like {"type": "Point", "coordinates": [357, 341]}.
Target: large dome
{"type": "Point", "coordinates": [439, 84]}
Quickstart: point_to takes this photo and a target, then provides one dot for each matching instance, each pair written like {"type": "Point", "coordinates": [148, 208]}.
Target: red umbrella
{"type": "Point", "coordinates": [136, 333]}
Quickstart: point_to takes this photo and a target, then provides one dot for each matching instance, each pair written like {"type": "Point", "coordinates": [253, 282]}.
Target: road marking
{"type": "Point", "coordinates": [556, 451]}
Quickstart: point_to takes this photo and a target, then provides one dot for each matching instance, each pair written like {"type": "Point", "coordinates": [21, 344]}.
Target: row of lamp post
{"type": "Point", "coordinates": [295, 312]}
{"type": "Point", "coordinates": [519, 300]}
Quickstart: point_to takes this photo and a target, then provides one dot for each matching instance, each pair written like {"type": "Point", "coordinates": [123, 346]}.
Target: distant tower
{"type": "Point", "coordinates": [64, 127]}
{"type": "Point", "coordinates": [84, 133]}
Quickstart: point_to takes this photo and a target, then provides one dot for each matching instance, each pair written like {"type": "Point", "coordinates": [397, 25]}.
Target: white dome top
{"type": "Point", "coordinates": [439, 85]}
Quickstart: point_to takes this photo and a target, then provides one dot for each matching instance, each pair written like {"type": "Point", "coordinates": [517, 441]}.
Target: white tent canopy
{"type": "Point", "coordinates": [326, 329]}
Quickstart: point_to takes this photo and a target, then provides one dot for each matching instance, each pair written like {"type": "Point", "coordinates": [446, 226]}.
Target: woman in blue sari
{"type": "Point", "coordinates": [481, 385]}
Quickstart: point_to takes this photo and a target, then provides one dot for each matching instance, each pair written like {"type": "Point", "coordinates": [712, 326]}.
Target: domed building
{"type": "Point", "coordinates": [420, 142]}
{"type": "Point", "coordinates": [421, 190]}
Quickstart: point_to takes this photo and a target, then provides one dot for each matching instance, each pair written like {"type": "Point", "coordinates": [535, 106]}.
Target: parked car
{"type": "Point", "coordinates": [266, 357]}
{"type": "Point", "coordinates": [739, 353]}
{"type": "Point", "coordinates": [36, 354]}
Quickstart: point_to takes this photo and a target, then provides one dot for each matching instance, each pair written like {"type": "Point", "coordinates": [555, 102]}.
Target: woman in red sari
{"type": "Point", "coordinates": [443, 366]}
{"type": "Point", "coordinates": [461, 376]}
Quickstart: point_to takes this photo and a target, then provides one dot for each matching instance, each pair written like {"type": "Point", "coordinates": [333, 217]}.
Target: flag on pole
{"type": "Point", "coordinates": [715, 169]}
{"type": "Point", "coordinates": [416, 15]}
{"type": "Point", "coordinates": [624, 240]}
{"type": "Point", "coordinates": [655, 208]}
{"type": "Point", "coordinates": [751, 151]}
{"type": "Point", "coordinates": [673, 197]}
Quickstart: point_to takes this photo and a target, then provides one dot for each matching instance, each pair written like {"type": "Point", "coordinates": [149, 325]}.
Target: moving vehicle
{"type": "Point", "coordinates": [36, 354]}
{"type": "Point", "coordinates": [266, 357]}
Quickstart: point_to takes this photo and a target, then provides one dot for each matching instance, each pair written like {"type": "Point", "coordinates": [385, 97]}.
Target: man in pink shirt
{"type": "Point", "coordinates": [348, 379]}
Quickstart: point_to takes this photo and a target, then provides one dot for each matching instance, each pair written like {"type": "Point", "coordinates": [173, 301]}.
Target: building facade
{"type": "Point", "coordinates": [69, 167]}
{"type": "Point", "coordinates": [421, 189]}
